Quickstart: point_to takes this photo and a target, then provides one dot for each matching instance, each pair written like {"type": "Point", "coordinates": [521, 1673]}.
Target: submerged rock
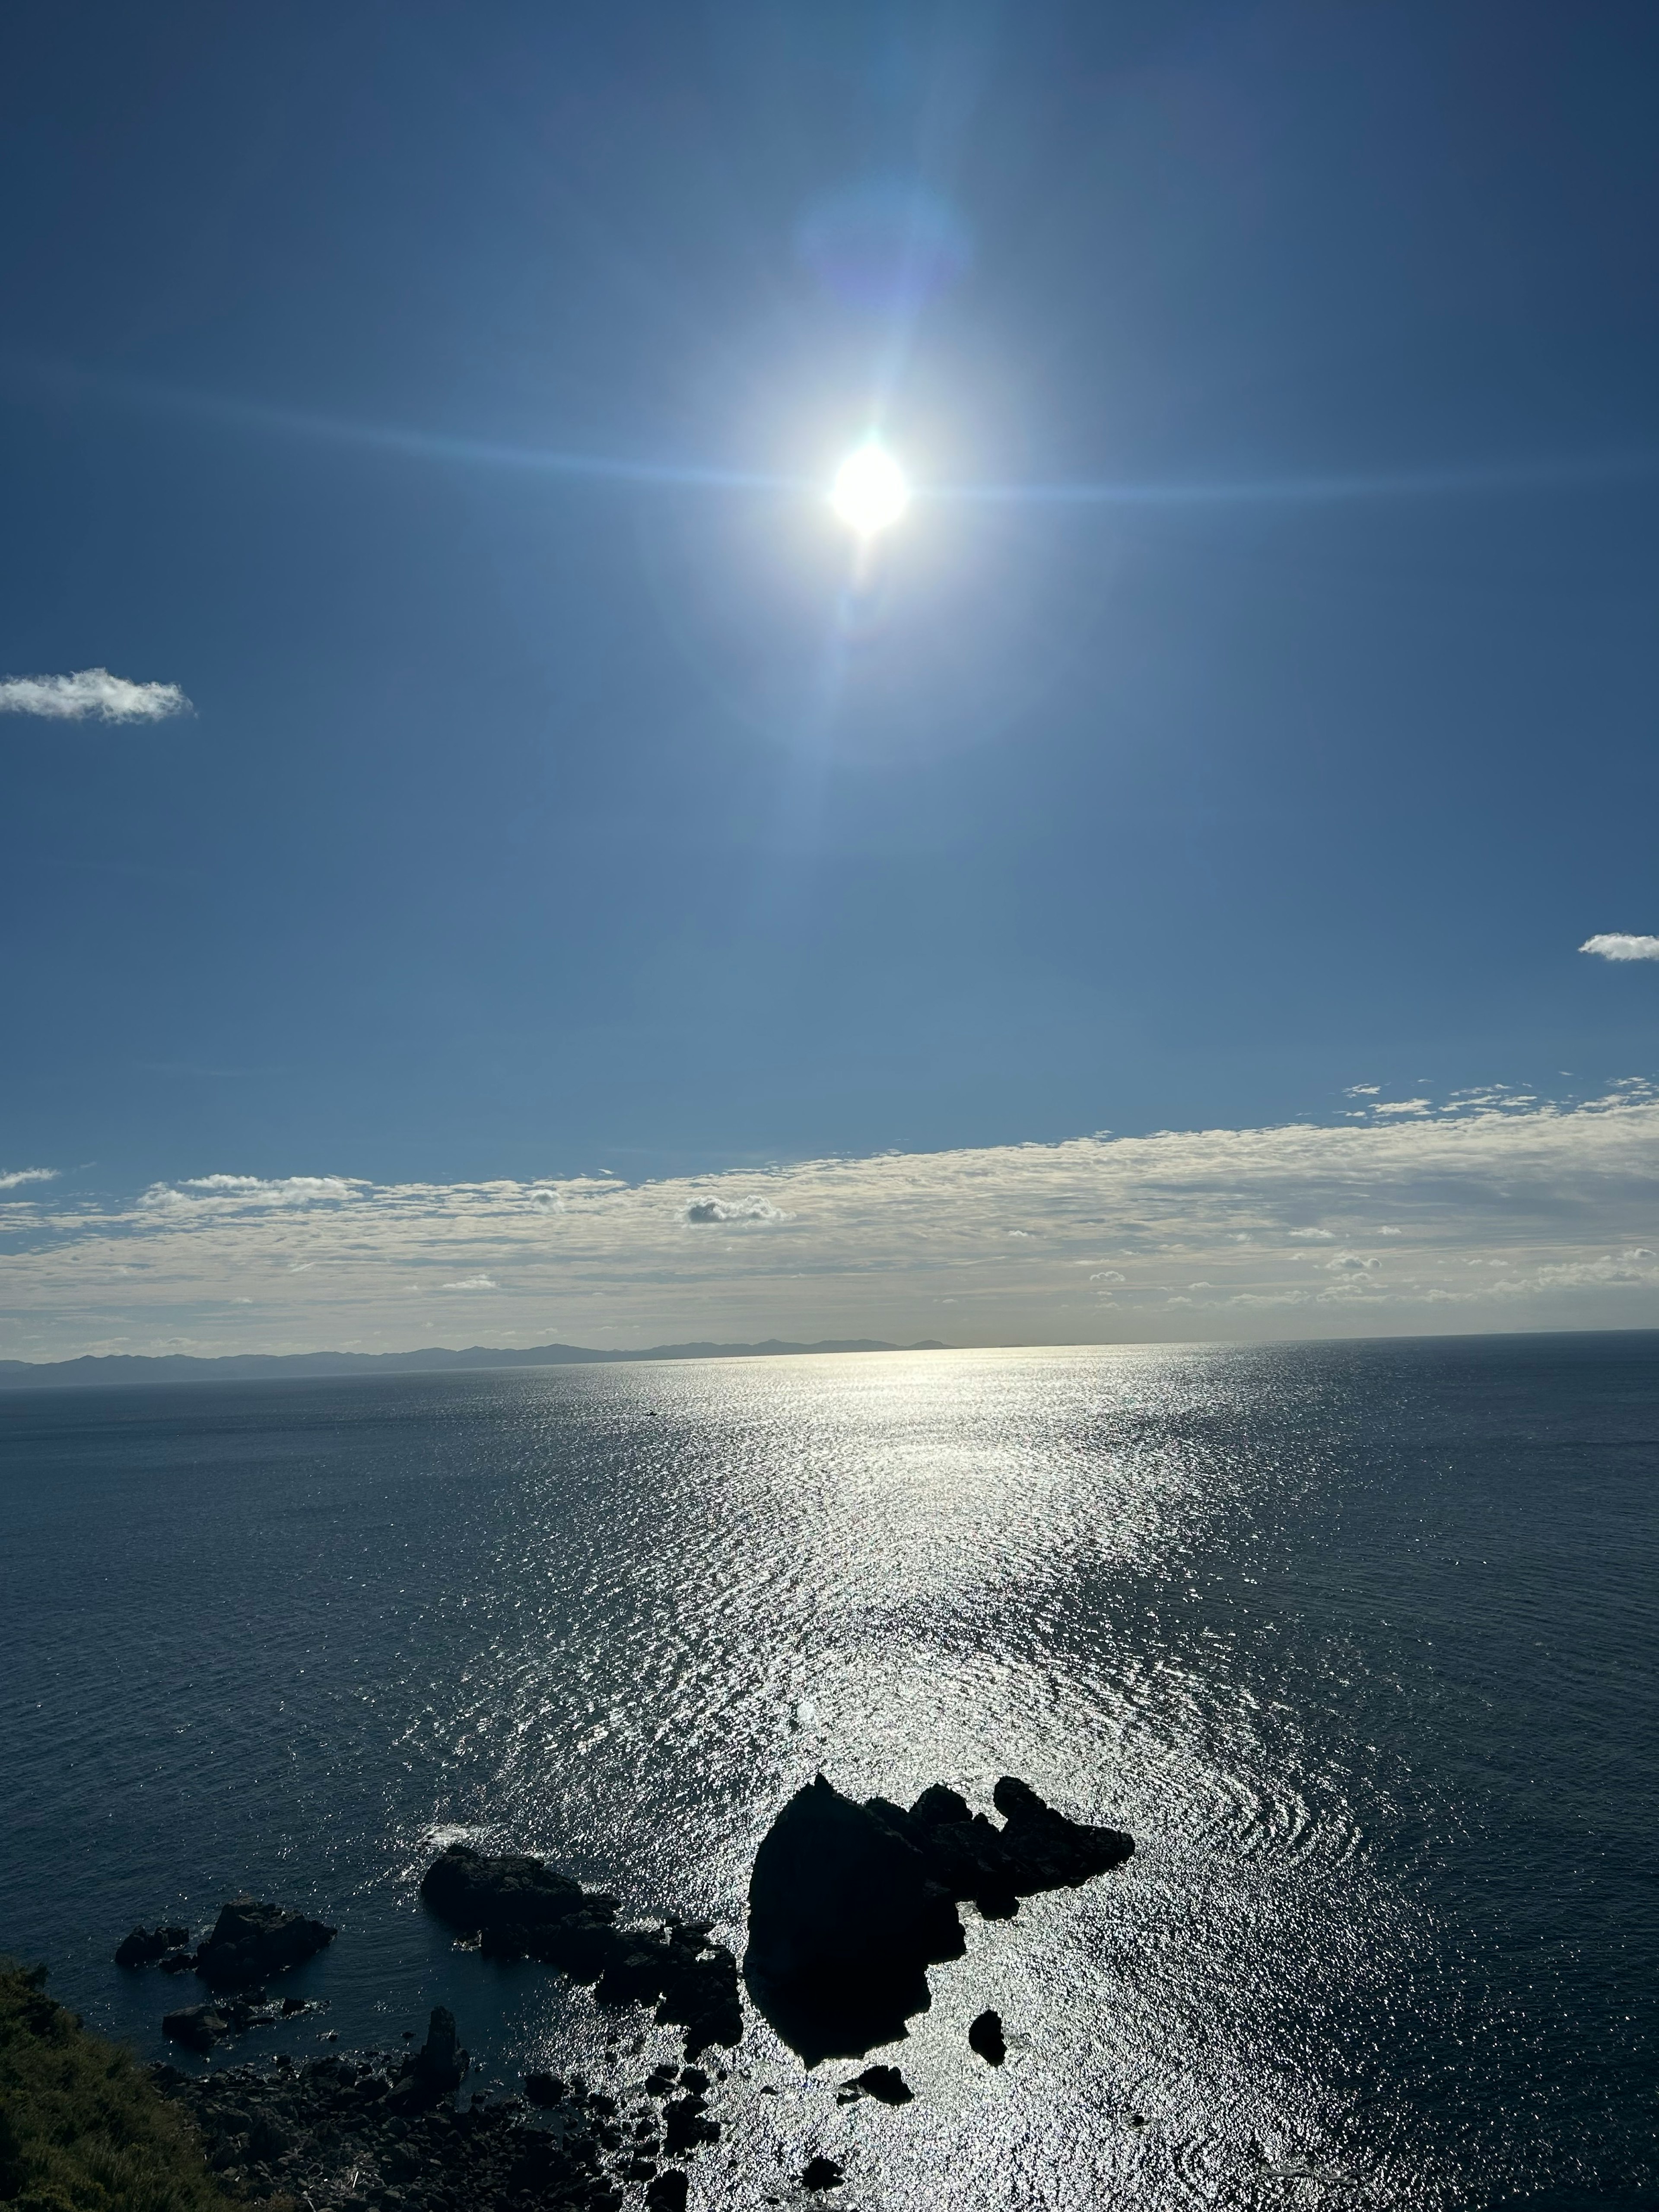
{"type": "Point", "coordinates": [985, 2036]}
{"type": "Point", "coordinates": [250, 1940]}
{"type": "Point", "coordinates": [849, 1905]}
{"type": "Point", "coordinates": [822, 2172]}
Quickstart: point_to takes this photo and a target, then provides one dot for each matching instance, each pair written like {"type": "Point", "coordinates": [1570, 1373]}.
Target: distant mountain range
{"type": "Point", "coordinates": [252, 1366]}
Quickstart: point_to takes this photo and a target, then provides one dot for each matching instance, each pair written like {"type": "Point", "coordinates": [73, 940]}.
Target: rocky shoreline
{"type": "Point", "coordinates": [341, 2131]}
{"type": "Point", "coordinates": [849, 1905]}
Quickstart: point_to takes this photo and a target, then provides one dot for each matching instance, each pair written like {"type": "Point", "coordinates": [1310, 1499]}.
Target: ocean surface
{"type": "Point", "coordinates": [1356, 1641]}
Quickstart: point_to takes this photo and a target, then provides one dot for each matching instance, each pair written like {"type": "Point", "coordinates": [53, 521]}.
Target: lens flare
{"type": "Point", "coordinates": [870, 492]}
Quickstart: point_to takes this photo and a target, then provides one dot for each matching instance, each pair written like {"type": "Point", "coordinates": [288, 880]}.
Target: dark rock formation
{"type": "Point", "coordinates": [202, 2025]}
{"type": "Point", "coordinates": [668, 2192]}
{"type": "Point", "coordinates": [146, 1947]}
{"type": "Point", "coordinates": [250, 1940]}
{"type": "Point", "coordinates": [685, 2125]}
{"type": "Point", "coordinates": [822, 2172]}
{"type": "Point", "coordinates": [849, 1905]}
{"type": "Point", "coordinates": [985, 2036]}
{"type": "Point", "coordinates": [197, 2027]}
{"type": "Point", "coordinates": [471, 1889]}
{"type": "Point", "coordinates": [521, 1908]}
{"type": "Point", "coordinates": [885, 2082]}
{"type": "Point", "coordinates": [434, 2072]}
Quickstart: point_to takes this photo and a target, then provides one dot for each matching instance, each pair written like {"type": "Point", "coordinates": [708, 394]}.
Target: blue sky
{"type": "Point", "coordinates": [536, 823]}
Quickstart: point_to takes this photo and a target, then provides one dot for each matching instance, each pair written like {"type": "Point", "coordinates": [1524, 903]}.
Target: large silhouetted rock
{"type": "Point", "coordinates": [251, 1941]}
{"type": "Point", "coordinates": [843, 1923]}
{"type": "Point", "coordinates": [849, 1905]}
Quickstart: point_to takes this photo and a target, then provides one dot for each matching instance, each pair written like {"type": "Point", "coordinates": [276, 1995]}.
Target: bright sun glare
{"type": "Point", "coordinates": [870, 491]}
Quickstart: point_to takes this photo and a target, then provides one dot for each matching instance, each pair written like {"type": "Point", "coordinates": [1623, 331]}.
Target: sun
{"type": "Point", "coordinates": [870, 492]}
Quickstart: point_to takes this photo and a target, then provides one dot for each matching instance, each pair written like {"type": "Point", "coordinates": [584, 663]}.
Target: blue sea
{"type": "Point", "coordinates": [1356, 1641]}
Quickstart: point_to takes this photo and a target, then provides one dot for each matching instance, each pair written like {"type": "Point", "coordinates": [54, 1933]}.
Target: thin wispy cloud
{"type": "Point", "coordinates": [1614, 944]}
{"type": "Point", "coordinates": [13, 1177]}
{"type": "Point", "coordinates": [91, 695]}
{"type": "Point", "coordinates": [1515, 1213]}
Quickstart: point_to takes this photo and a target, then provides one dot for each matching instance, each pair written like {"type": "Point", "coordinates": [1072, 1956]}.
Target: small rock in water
{"type": "Point", "coordinates": [543, 2089]}
{"type": "Point", "coordinates": [668, 2192]}
{"type": "Point", "coordinates": [985, 2036]}
{"type": "Point", "coordinates": [885, 2082]}
{"type": "Point", "coordinates": [822, 2173]}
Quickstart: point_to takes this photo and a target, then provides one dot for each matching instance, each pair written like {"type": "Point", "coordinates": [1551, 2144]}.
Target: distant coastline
{"type": "Point", "coordinates": [93, 1370]}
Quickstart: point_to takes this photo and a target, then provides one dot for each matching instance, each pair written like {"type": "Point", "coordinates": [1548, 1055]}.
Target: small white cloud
{"type": "Point", "coordinates": [91, 694]}
{"type": "Point", "coordinates": [1390, 1232]}
{"type": "Point", "coordinates": [1406, 1106]}
{"type": "Point", "coordinates": [1107, 1275]}
{"type": "Point", "coordinates": [700, 1210]}
{"type": "Point", "coordinates": [1362, 1090]}
{"type": "Point", "coordinates": [11, 1179]}
{"type": "Point", "coordinates": [1614, 944]}
{"type": "Point", "coordinates": [1313, 1236]}
{"type": "Point", "coordinates": [472, 1283]}
{"type": "Point", "coordinates": [1351, 1263]}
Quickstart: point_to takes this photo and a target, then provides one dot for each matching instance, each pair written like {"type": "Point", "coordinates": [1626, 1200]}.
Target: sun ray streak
{"type": "Point", "coordinates": [1564, 472]}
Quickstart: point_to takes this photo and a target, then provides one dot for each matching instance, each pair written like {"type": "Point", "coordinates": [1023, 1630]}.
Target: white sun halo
{"type": "Point", "coordinates": [870, 492]}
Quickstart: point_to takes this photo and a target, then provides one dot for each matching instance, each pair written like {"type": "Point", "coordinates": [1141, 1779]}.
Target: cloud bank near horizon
{"type": "Point", "coordinates": [1496, 1209]}
{"type": "Point", "coordinates": [91, 695]}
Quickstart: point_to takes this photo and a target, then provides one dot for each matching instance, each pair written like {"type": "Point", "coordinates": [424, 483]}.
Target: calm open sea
{"type": "Point", "coordinates": [1356, 1641]}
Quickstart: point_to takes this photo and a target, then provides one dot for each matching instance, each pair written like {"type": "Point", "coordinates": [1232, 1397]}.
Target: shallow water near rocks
{"type": "Point", "coordinates": [1355, 1641]}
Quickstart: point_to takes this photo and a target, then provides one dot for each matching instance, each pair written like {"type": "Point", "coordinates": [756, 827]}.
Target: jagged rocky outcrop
{"type": "Point", "coordinates": [519, 1908]}
{"type": "Point", "coordinates": [148, 1947]}
{"type": "Point", "coordinates": [434, 2072]}
{"type": "Point", "coordinates": [849, 1905]}
{"type": "Point", "coordinates": [251, 1941]}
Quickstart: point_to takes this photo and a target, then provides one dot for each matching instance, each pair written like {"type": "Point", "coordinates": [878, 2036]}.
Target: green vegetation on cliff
{"type": "Point", "coordinates": [83, 2128]}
